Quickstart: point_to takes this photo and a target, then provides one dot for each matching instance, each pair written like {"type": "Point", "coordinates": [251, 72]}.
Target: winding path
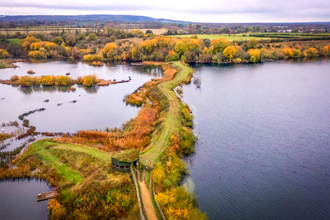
{"type": "Point", "coordinates": [160, 140]}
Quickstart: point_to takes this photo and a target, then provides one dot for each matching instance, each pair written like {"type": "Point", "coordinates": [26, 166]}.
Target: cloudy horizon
{"type": "Point", "coordinates": [238, 11]}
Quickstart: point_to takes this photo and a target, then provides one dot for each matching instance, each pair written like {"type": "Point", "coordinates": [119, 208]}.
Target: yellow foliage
{"type": "Point", "coordinates": [254, 55]}
{"type": "Point", "coordinates": [158, 174]}
{"type": "Point", "coordinates": [109, 47]}
{"type": "Point", "coordinates": [36, 46]}
{"type": "Point", "coordinates": [218, 45]}
{"type": "Point", "coordinates": [237, 60]}
{"type": "Point", "coordinates": [37, 55]}
{"type": "Point", "coordinates": [50, 45]}
{"type": "Point", "coordinates": [230, 52]}
{"type": "Point", "coordinates": [4, 53]}
{"type": "Point", "coordinates": [187, 44]}
{"type": "Point", "coordinates": [56, 210]}
{"type": "Point", "coordinates": [312, 51]}
{"type": "Point", "coordinates": [93, 57]}
{"type": "Point", "coordinates": [171, 53]}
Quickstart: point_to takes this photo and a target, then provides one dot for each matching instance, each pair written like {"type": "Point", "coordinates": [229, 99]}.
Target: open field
{"type": "Point", "coordinates": [297, 36]}
{"type": "Point", "coordinates": [155, 31]}
{"type": "Point", "coordinates": [172, 123]}
{"type": "Point", "coordinates": [15, 40]}
{"type": "Point", "coordinates": [232, 37]}
{"type": "Point", "coordinates": [48, 29]}
{"type": "Point", "coordinates": [52, 29]}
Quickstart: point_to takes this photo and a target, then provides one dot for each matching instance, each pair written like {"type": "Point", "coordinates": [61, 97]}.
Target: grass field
{"type": "Point", "coordinates": [232, 37]}
{"type": "Point", "coordinates": [14, 40]}
{"type": "Point", "coordinates": [172, 123]}
{"type": "Point", "coordinates": [155, 31]}
{"type": "Point", "coordinates": [57, 156]}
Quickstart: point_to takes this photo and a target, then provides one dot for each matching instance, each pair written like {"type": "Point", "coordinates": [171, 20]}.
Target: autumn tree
{"type": "Point", "coordinates": [91, 37]}
{"type": "Point", "coordinates": [288, 52]}
{"type": "Point", "coordinates": [296, 52]}
{"type": "Point", "coordinates": [230, 52]}
{"type": "Point", "coordinates": [4, 53]}
{"type": "Point", "coordinates": [218, 45]}
{"type": "Point", "coordinates": [254, 55]}
{"type": "Point", "coordinates": [57, 40]}
{"type": "Point", "coordinates": [311, 52]}
{"type": "Point", "coordinates": [70, 39]}
{"type": "Point", "coordinates": [56, 210]}
{"type": "Point", "coordinates": [252, 44]}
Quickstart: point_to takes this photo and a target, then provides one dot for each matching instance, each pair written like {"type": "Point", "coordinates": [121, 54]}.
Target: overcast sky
{"type": "Point", "coordinates": [193, 10]}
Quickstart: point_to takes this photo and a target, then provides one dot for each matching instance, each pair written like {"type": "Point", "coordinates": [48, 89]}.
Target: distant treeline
{"type": "Point", "coordinates": [148, 47]}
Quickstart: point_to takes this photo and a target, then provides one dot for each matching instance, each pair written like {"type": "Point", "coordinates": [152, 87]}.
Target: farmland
{"type": "Point", "coordinates": [229, 37]}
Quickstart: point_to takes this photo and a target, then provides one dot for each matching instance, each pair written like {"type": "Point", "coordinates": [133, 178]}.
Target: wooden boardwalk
{"type": "Point", "coordinates": [47, 195]}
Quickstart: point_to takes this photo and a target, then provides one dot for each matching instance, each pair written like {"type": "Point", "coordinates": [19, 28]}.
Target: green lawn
{"type": "Point", "coordinates": [40, 148]}
{"type": "Point", "coordinates": [232, 37]}
{"type": "Point", "coordinates": [14, 40]}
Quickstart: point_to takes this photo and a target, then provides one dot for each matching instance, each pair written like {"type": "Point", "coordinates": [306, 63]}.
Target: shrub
{"type": "Point", "coordinates": [48, 80]}
{"type": "Point", "coordinates": [93, 57]}
{"type": "Point", "coordinates": [4, 54]}
{"type": "Point", "coordinates": [90, 80]}
{"type": "Point", "coordinates": [14, 78]}
{"type": "Point", "coordinates": [288, 52]}
{"type": "Point", "coordinates": [296, 53]}
{"type": "Point", "coordinates": [26, 81]}
{"type": "Point", "coordinates": [64, 81]}
{"type": "Point", "coordinates": [91, 37]}
{"type": "Point", "coordinates": [311, 52]}
{"type": "Point", "coordinates": [37, 55]}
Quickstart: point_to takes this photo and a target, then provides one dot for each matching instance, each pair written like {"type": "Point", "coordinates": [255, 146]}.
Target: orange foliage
{"type": "Point", "coordinates": [288, 52]}
{"type": "Point", "coordinates": [326, 50]}
{"type": "Point", "coordinates": [170, 73]}
{"type": "Point", "coordinates": [136, 136]}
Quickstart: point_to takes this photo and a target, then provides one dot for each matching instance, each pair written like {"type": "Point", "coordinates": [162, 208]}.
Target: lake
{"type": "Point", "coordinates": [95, 108]}
{"type": "Point", "coordinates": [18, 200]}
{"type": "Point", "coordinates": [263, 140]}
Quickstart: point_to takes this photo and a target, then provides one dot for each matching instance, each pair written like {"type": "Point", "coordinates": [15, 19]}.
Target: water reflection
{"type": "Point", "coordinates": [18, 199]}
{"type": "Point", "coordinates": [100, 107]}
{"type": "Point", "coordinates": [263, 140]}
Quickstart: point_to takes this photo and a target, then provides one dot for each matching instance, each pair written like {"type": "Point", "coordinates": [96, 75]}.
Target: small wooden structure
{"type": "Point", "coordinates": [47, 195]}
{"type": "Point", "coordinates": [123, 161]}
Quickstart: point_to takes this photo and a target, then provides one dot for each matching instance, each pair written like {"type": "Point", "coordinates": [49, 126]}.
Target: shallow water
{"type": "Point", "coordinates": [18, 200]}
{"type": "Point", "coordinates": [264, 140]}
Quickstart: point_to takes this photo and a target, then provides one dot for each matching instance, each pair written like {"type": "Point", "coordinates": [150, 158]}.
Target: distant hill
{"type": "Point", "coordinates": [120, 18]}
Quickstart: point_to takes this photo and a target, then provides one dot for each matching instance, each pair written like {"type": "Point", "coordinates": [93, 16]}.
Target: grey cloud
{"type": "Point", "coordinates": [277, 9]}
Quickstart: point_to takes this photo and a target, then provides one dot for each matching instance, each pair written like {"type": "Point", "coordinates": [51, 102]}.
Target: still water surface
{"type": "Point", "coordinates": [18, 200]}
{"type": "Point", "coordinates": [264, 140]}
{"type": "Point", "coordinates": [95, 108]}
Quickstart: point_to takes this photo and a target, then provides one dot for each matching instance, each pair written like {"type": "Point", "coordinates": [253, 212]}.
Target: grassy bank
{"type": "Point", "coordinates": [6, 64]}
{"type": "Point", "coordinates": [88, 187]}
{"type": "Point", "coordinates": [171, 115]}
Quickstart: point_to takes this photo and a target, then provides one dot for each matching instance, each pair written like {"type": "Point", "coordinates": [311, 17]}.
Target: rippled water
{"type": "Point", "coordinates": [95, 108]}
{"type": "Point", "coordinates": [264, 140]}
{"type": "Point", "coordinates": [18, 200]}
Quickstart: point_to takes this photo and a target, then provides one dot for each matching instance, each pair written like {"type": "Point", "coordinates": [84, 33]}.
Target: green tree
{"type": "Point", "coordinates": [91, 37]}
{"type": "Point", "coordinates": [70, 39]}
